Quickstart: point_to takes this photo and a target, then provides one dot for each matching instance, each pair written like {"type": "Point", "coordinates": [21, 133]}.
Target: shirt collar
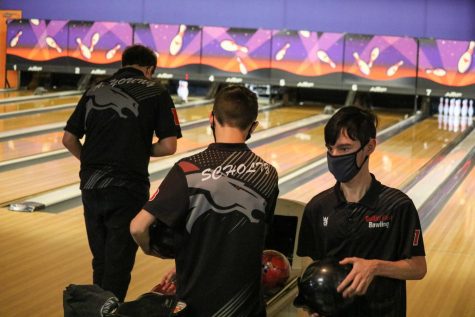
{"type": "Point", "coordinates": [369, 199]}
{"type": "Point", "coordinates": [229, 146]}
{"type": "Point", "coordinates": [129, 71]}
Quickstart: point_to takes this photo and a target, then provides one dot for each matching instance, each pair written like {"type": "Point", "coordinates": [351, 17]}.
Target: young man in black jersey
{"type": "Point", "coordinates": [361, 222]}
{"type": "Point", "coordinates": [220, 203]}
{"type": "Point", "coordinates": [119, 116]}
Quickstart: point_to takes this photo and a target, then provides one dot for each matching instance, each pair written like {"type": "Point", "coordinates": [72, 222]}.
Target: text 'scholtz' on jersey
{"type": "Point", "coordinates": [230, 198]}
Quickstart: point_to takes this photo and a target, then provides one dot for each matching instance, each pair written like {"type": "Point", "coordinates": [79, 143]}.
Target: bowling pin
{"type": "Point", "coordinates": [111, 53]}
{"type": "Point", "coordinates": [470, 111]}
{"type": "Point", "coordinates": [451, 123]}
{"type": "Point", "coordinates": [177, 41]}
{"type": "Point", "coordinates": [464, 110]}
{"type": "Point", "coordinates": [94, 40]}
{"type": "Point", "coordinates": [52, 43]}
{"type": "Point", "coordinates": [440, 118]}
{"type": "Point", "coordinates": [439, 72]}
{"type": "Point", "coordinates": [457, 108]}
{"type": "Point", "coordinates": [362, 65]}
{"type": "Point", "coordinates": [231, 46]}
{"type": "Point", "coordinates": [466, 59]}
{"type": "Point", "coordinates": [394, 68]}
{"type": "Point", "coordinates": [446, 119]}
{"type": "Point", "coordinates": [183, 90]}
{"type": "Point", "coordinates": [242, 67]}
{"type": "Point", "coordinates": [35, 22]}
{"type": "Point", "coordinates": [86, 53]}
{"type": "Point", "coordinates": [323, 56]}
{"type": "Point", "coordinates": [451, 107]}
{"type": "Point", "coordinates": [441, 105]}
{"type": "Point", "coordinates": [373, 56]}
{"type": "Point", "coordinates": [446, 106]}
{"type": "Point", "coordinates": [281, 53]}
{"type": "Point", "coordinates": [305, 33]}
{"type": "Point", "coordinates": [15, 39]}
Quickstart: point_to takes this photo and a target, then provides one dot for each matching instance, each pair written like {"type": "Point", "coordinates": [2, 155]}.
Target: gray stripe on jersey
{"type": "Point", "coordinates": [234, 303]}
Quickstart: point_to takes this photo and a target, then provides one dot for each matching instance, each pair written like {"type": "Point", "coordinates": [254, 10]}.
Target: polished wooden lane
{"type": "Point", "coordinates": [394, 161]}
{"type": "Point", "coordinates": [38, 104]}
{"type": "Point", "coordinates": [450, 249]}
{"type": "Point", "coordinates": [51, 141]}
{"type": "Point", "coordinates": [15, 93]}
{"type": "Point", "coordinates": [30, 180]}
{"type": "Point", "coordinates": [42, 253]}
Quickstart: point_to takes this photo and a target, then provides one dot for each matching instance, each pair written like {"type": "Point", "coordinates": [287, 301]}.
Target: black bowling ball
{"type": "Point", "coordinates": [317, 287]}
{"type": "Point", "coordinates": [162, 240]}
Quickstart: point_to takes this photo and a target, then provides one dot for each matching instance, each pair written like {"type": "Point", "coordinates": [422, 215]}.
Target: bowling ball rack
{"type": "Point", "coordinates": [283, 298]}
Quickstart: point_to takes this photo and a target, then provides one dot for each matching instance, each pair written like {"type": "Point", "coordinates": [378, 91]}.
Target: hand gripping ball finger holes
{"type": "Point", "coordinates": [317, 287]}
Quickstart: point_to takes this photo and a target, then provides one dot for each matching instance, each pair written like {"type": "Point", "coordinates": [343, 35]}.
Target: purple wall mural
{"type": "Point", "coordinates": [453, 19]}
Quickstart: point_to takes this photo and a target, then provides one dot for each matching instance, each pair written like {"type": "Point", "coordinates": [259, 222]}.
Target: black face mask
{"type": "Point", "coordinates": [344, 167]}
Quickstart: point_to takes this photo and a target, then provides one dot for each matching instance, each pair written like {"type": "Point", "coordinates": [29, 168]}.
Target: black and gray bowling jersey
{"type": "Point", "coordinates": [119, 116]}
{"type": "Point", "coordinates": [220, 202]}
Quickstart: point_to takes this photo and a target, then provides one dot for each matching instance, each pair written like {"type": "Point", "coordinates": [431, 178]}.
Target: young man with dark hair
{"type": "Point", "coordinates": [364, 223]}
{"type": "Point", "coordinates": [220, 203]}
{"type": "Point", "coordinates": [119, 116]}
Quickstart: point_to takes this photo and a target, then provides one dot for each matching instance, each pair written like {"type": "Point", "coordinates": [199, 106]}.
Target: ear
{"type": "Point", "coordinates": [371, 146]}
{"type": "Point", "coordinates": [254, 126]}
{"type": "Point", "coordinates": [211, 117]}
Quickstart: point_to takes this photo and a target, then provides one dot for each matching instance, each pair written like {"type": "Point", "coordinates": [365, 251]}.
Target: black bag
{"type": "Point", "coordinates": [88, 301]}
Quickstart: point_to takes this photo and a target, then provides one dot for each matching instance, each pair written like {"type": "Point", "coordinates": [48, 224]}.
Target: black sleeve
{"type": "Point", "coordinates": [170, 203]}
{"type": "Point", "coordinates": [168, 123]}
{"type": "Point", "coordinates": [307, 244]}
{"type": "Point", "coordinates": [75, 123]}
{"type": "Point", "coordinates": [412, 243]}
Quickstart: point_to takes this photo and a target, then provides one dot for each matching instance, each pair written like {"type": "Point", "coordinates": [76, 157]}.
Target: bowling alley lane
{"type": "Point", "coordinates": [450, 254]}
{"type": "Point", "coordinates": [37, 104]}
{"type": "Point", "coordinates": [15, 93]}
{"type": "Point", "coordinates": [29, 180]}
{"type": "Point", "coordinates": [51, 141]}
{"type": "Point", "coordinates": [395, 161]}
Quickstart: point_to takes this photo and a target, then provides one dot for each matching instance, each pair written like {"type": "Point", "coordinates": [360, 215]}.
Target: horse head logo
{"type": "Point", "coordinates": [222, 195]}
{"type": "Point", "coordinates": [108, 97]}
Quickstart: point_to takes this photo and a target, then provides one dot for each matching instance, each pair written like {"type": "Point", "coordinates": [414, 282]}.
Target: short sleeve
{"type": "Point", "coordinates": [170, 202]}
{"type": "Point", "coordinates": [168, 124]}
{"type": "Point", "coordinates": [75, 123]}
{"type": "Point", "coordinates": [412, 243]}
{"type": "Point", "coordinates": [307, 244]}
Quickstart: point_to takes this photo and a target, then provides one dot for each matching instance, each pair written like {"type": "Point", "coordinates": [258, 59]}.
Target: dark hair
{"type": "Point", "coordinates": [359, 123]}
{"type": "Point", "coordinates": [235, 106]}
{"type": "Point", "coordinates": [139, 55]}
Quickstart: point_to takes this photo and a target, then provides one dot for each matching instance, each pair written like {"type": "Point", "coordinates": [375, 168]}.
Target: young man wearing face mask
{"type": "Point", "coordinates": [363, 223]}
{"type": "Point", "coordinates": [220, 203]}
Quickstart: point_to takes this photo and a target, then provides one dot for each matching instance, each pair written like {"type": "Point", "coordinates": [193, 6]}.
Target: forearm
{"type": "Point", "coordinates": [408, 269]}
{"type": "Point", "coordinates": [72, 144]}
{"type": "Point", "coordinates": [139, 229]}
{"type": "Point", "coordinates": [164, 147]}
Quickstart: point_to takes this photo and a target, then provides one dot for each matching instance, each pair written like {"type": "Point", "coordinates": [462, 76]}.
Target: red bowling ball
{"type": "Point", "coordinates": [275, 270]}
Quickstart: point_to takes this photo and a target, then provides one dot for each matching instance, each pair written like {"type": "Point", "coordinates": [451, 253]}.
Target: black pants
{"type": "Point", "coordinates": [108, 213]}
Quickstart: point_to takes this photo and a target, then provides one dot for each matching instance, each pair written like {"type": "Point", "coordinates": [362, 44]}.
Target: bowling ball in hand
{"type": "Point", "coordinates": [162, 240]}
{"type": "Point", "coordinates": [275, 270]}
{"type": "Point", "coordinates": [317, 287]}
